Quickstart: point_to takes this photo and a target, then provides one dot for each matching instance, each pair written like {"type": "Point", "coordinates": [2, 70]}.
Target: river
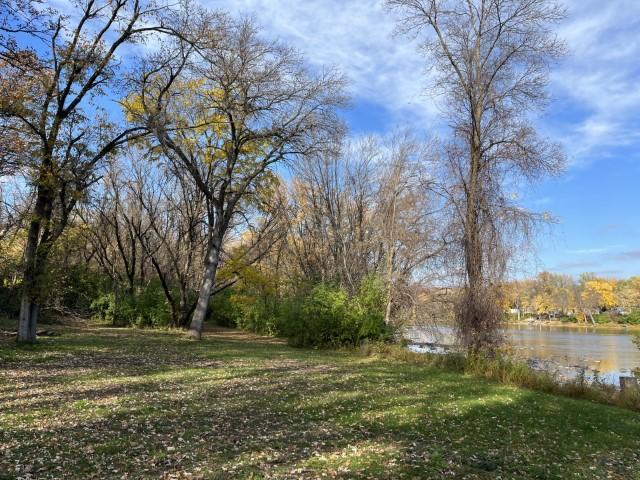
{"type": "Point", "coordinates": [608, 351]}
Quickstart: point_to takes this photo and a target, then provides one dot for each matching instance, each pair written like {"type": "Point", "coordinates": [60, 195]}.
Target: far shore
{"type": "Point", "coordinates": [550, 323]}
{"type": "Point", "coordinates": [559, 323]}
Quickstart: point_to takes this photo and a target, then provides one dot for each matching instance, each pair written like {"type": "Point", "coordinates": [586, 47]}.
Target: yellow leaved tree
{"type": "Point", "coordinates": [599, 293]}
{"type": "Point", "coordinates": [628, 293]}
{"type": "Point", "coordinates": [222, 116]}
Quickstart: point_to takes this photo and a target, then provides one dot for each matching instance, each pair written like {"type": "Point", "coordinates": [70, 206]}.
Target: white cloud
{"type": "Point", "coordinates": [355, 36]}
{"type": "Point", "coordinates": [601, 76]}
{"type": "Point", "coordinates": [598, 81]}
{"type": "Point", "coordinates": [597, 86]}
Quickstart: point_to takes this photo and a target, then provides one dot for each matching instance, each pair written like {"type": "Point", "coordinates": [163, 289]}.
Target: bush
{"type": "Point", "coordinates": [10, 300]}
{"type": "Point", "coordinates": [73, 287]}
{"type": "Point", "coordinates": [328, 317]}
{"type": "Point", "coordinates": [369, 306]}
{"type": "Point", "coordinates": [68, 288]}
{"type": "Point", "coordinates": [569, 319]}
{"type": "Point", "coordinates": [259, 314]}
{"type": "Point", "coordinates": [603, 318]}
{"type": "Point", "coordinates": [632, 318]}
{"type": "Point", "coordinates": [146, 308]}
{"type": "Point", "coordinates": [222, 310]}
{"type": "Point", "coordinates": [318, 316]}
{"type": "Point", "coordinates": [104, 308]}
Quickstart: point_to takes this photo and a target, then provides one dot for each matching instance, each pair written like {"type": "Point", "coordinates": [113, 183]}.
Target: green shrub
{"type": "Point", "coordinates": [104, 308]}
{"type": "Point", "coordinates": [74, 287]}
{"type": "Point", "coordinates": [632, 318]}
{"type": "Point", "coordinates": [327, 317]}
{"type": "Point", "coordinates": [259, 314]}
{"type": "Point", "coordinates": [149, 307]}
{"type": "Point", "coordinates": [602, 318]}
{"type": "Point", "coordinates": [10, 300]}
{"type": "Point", "coordinates": [222, 310]}
{"type": "Point", "coordinates": [569, 319]}
{"type": "Point", "coordinates": [68, 288]}
{"type": "Point", "coordinates": [318, 316]}
{"type": "Point", "coordinates": [145, 308]}
{"type": "Point", "coordinates": [368, 307]}
{"type": "Point", "coordinates": [321, 319]}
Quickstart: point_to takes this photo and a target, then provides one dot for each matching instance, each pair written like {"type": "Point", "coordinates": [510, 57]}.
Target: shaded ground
{"type": "Point", "coordinates": [114, 403]}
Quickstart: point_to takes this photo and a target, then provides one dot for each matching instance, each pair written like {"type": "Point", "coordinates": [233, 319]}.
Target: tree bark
{"type": "Point", "coordinates": [391, 255]}
{"type": "Point", "coordinates": [387, 312]}
{"type": "Point", "coordinates": [34, 257]}
{"type": "Point", "coordinates": [208, 281]}
{"type": "Point", "coordinates": [28, 320]}
{"type": "Point", "coordinates": [473, 246]}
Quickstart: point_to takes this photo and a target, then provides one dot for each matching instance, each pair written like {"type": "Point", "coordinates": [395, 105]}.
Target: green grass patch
{"type": "Point", "coordinates": [101, 402]}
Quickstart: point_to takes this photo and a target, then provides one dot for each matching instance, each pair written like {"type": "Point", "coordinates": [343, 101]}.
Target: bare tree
{"type": "Point", "coordinates": [408, 219]}
{"type": "Point", "coordinates": [148, 222]}
{"type": "Point", "coordinates": [173, 236]}
{"type": "Point", "coordinates": [332, 202]}
{"type": "Point", "coordinates": [116, 222]}
{"type": "Point", "coordinates": [492, 58]}
{"type": "Point", "coordinates": [364, 209]}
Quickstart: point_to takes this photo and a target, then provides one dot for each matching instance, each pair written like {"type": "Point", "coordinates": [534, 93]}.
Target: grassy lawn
{"type": "Point", "coordinates": [116, 403]}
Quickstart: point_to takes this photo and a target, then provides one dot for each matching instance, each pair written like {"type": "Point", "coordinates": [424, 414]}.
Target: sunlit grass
{"type": "Point", "coordinates": [99, 403]}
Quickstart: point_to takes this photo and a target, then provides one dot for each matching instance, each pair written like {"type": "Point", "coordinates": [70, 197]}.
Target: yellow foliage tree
{"type": "Point", "coordinates": [628, 293]}
{"type": "Point", "coordinates": [542, 303]}
{"type": "Point", "coordinates": [224, 118]}
{"type": "Point", "coordinates": [599, 293]}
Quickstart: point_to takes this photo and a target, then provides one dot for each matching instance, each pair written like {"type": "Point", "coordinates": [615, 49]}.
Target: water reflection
{"type": "Point", "coordinates": [610, 352]}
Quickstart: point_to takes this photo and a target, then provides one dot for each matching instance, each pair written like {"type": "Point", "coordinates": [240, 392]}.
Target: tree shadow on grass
{"type": "Point", "coordinates": [288, 414]}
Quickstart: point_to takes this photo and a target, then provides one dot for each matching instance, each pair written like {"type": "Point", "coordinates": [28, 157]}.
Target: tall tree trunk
{"type": "Point", "coordinates": [208, 281]}
{"type": "Point", "coordinates": [390, 290]}
{"type": "Point", "coordinates": [473, 247]}
{"type": "Point", "coordinates": [391, 255]}
{"type": "Point", "coordinates": [34, 258]}
{"type": "Point", "coordinates": [387, 312]}
{"type": "Point", "coordinates": [28, 320]}
{"type": "Point", "coordinates": [471, 321]}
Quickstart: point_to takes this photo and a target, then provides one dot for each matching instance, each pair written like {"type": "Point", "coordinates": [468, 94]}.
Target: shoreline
{"type": "Point", "coordinates": [552, 323]}
{"type": "Point", "coordinates": [558, 323]}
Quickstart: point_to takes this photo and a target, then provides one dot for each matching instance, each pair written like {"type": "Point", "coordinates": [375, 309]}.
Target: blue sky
{"type": "Point", "coordinates": [595, 112]}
